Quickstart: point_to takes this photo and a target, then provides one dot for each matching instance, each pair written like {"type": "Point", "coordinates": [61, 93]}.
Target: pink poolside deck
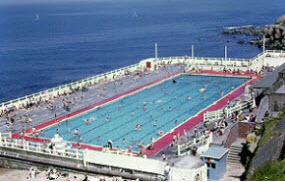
{"type": "Point", "coordinates": [167, 138]}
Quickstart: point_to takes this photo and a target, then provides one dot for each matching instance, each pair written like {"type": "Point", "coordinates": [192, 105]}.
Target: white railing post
{"type": "Point", "coordinates": [85, 154]}
{"type": "Point", "coordinates": [77, 156]}
{"type": "Point", "coordinates": [227, 112]}
{"type": "Point", "coordinates": [5, 142]}
{"type": "Point", "coordinates": [12, 144]}
{"type": "Point", "coordinates": [178, 149]}
{"type": "Point", "coordinates": [27, 145]}
{"type": "Point", "coordinates": [0, 139]}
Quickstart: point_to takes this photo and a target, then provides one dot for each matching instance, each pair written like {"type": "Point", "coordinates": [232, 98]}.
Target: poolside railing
{"type": "Point", "coordinates": [205, 62]}
{"type": "Point", "coordinates": [202, 143]}
{"type": "Point", "coordinates": [66, 87]}
{"type": "Point", "coordinates": [218, 114]}
{"type": "Point", "coordinates": [37, 147]}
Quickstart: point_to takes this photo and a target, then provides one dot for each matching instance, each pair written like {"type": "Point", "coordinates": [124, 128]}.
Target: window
{"type": "Point", "coordinates": [213, 165]}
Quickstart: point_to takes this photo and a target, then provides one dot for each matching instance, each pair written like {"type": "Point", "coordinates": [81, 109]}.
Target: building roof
{"type": "Point", "coordinates": [283, 71]}
{"type": "Point", "coordinates": [215, 152]}
{"type": "Point", "coordinates": [269, 79]}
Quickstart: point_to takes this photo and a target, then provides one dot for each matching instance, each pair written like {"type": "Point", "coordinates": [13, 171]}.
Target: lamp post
{"type": "Point", "coordinates": [263, 50]}
{"type": "Point", "coordinates": [155, 45]}
{"type": "Point", "coordinates": [226, 57]}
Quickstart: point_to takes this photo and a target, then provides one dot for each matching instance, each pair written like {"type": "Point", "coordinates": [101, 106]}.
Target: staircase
{"type": "Point", "coordinates": [235, 150]}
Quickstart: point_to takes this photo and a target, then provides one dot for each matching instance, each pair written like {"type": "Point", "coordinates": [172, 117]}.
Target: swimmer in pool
{"type": "Point", "coordinates": [155, 123]}
{"type": "Point", "coordinates": [99, 138]}
{"type": "Point", "coordinates": [161, 109]}
{"type": "Point", "coordinates": [202, 89]}
{"type": "Point", "coordinates": [133, 113]}
{"type": "Point", "coordinates": [138, 127]}
{"type": "Point", "coordinates": [144, 107]}
{"type": "Point", "coordinates": [138, 107]}
{"type": "Point", "coordinates": [75, 133]}
{"type": "Point", "coordinates": [170, 109]}
{"type": "Point", "coordinates": [203, 97]}
{"type": "Point", "coordinates": [189, 98]}
{"type": "Point", "coordinates": [87, 122]}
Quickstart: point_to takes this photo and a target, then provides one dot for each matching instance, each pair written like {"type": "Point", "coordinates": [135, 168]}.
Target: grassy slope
{"type": "Point", "coordinates": [272, 171]}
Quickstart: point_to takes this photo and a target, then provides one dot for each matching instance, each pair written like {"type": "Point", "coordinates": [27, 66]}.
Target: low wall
{"type": "Point", "coordinates": [233, 135]}
{"type": "Point", "coordinates": [239, 130]}
{"type": "Point", "coordinates": [178, 174]}
{"type": "Point", "coordinates": [13, 158]}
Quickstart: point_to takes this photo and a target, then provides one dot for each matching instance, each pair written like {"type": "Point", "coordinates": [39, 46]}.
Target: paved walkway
{"type": "Point", "coordinates": [93, 95]}
{"type": "Point", "coordinates": [23, 175]}
{"type": "Point", "coordinates": [234, 171]}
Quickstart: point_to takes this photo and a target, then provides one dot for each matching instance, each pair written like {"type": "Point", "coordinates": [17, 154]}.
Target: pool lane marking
{"type": "Point", "coordinates": [199, 114]}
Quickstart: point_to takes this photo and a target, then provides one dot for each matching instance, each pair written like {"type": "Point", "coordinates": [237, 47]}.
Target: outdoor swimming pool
{"type": "Point", "coordinates": [122, 122]}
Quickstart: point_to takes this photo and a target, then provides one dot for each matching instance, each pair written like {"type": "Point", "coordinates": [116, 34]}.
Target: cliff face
{"type": "Point", "coordinates": [271, 148]}
{"type": "Point", "coordinates": [274, 34]}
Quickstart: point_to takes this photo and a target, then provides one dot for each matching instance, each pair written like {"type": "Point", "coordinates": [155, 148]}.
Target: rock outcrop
{"type": "Point", "coordinates": [274, 34]}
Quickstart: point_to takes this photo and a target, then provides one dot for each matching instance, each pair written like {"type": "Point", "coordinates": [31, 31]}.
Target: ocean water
{"type": "Point", "coordinates": [77, 39]}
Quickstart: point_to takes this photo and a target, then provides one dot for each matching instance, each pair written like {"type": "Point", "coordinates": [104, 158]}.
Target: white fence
{"type": "Point", "coordinates": [37, 147]}
{"type": "Point", "coordinates": [199, 62]}
{"type": "Point", "coordinates": [118, 160]}
{"type": "Point", "coordinates": [5, 136]}
{"type": "Point", "coordinates": [179, 174]}
{"type": "Point", "coordinates": [66, 88]}
{"type": "Point", "coordinates": [256, 63]}
{"type": "Point", "coordinates": [202, 143]}
{"type": "Point", "coordinates": [218, 114]}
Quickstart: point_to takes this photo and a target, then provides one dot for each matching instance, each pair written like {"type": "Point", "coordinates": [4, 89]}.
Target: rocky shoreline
{"type": "Point", "coordinates": [274, 34]}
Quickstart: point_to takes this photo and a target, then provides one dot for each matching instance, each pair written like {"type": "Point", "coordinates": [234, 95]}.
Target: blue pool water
{"type": "Point", "coordinates": [122, 123]}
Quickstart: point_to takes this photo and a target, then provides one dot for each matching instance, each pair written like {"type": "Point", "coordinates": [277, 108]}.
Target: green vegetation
{"type": "Point", "coordinates": [272, 171]}
{"type": "Point", "coordinates": [268, 127]}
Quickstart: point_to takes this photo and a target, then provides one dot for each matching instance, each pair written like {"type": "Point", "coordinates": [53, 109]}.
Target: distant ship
{"type": "Point", "coordinates": [37, 17]}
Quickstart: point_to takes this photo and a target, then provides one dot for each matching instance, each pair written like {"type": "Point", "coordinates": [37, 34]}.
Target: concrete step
{"type": "Point", "coordinates": [235, 152]}
{"type": "Point", "coordinates": [236, 147]}
{"type": "Point", "coordinates": [233, 162]}
{"type": "Point", "coordinates": [233, 158]}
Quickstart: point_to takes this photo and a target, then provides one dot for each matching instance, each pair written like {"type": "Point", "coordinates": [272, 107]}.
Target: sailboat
{"type": "Point", "coordinates": [135, 14]}
{"type": "Point", "coordinates": [37, 17]}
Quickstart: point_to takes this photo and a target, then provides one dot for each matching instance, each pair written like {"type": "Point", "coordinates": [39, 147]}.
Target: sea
{"type": "Point", "coordinates": [46, 43]}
